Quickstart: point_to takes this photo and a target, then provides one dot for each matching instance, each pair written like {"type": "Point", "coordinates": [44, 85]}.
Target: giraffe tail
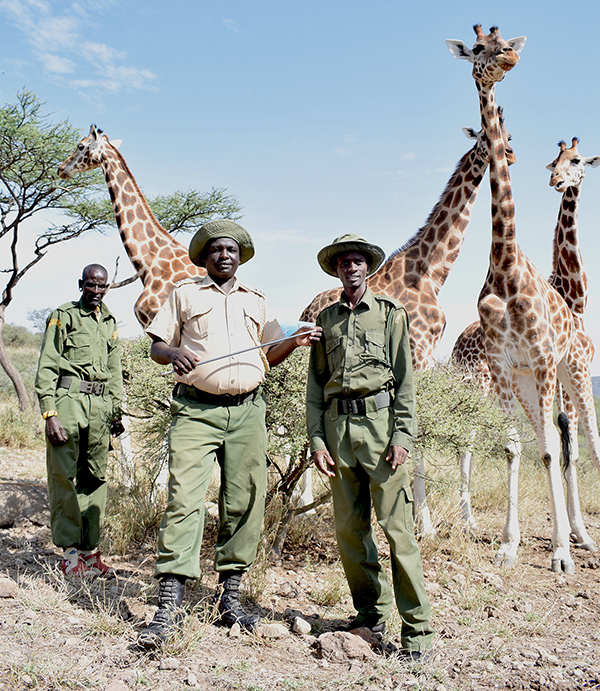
{"type": "Point", "coordinates": [565, 439]}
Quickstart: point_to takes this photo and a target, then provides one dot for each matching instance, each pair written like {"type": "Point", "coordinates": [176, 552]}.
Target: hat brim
{"type": "Point", "coordinates": [374, 254]}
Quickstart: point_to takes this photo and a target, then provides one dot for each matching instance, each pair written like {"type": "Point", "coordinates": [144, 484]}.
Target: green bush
{"type": "Point", "coordinates": [19, 429]}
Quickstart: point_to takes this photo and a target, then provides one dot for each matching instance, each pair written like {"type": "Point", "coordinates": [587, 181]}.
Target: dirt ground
{"type": "Point", "coordinates": [525, 628]}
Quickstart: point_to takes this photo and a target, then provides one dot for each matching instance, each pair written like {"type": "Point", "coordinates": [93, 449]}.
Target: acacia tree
{"type": "Point", "coordinates": [31, 149]}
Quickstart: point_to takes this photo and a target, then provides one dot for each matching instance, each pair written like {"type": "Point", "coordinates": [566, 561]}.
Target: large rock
{"type": "Point", "coordinates": [341, 646]}
{"type": "Point", "coordinates": [23, 500]}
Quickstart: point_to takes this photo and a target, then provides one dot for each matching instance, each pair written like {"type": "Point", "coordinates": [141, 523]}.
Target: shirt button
{"type": "Point", "coordinates": [233, 381]}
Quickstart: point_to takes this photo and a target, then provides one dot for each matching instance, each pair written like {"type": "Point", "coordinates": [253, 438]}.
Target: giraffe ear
{"type": "Point", "coordinates": [550, 166]}
{"type": "Point", "coordinates": [517, 43]}
{"type": "Point", "coordinates": [116, 143]}
{"type": "Point", "coordinates": [459, 49]}
{"type": "Point", "coordinates": [470, 133]}
{"type": "Point", "coordinates": [592, 161]}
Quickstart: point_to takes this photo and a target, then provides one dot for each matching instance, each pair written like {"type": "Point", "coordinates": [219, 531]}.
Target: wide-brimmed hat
{"type": "Point", "coordinates": [351, 242]}
{"type": "Point", "coordinates": [222, 228]}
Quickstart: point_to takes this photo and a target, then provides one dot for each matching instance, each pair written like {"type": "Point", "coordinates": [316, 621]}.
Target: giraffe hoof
{"type": "Point", "coordinates": [589, 545]}
{"type": "Point", "coordinates": [566, 566]}
{"type": "Point", "coordinates": [505, 561]}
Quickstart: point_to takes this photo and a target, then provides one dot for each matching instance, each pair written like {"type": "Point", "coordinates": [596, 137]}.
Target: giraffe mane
{"type": "Point", "coordinates": [433, 213]}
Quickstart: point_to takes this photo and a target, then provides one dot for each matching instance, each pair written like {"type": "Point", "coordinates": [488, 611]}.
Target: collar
{"type": "Point", "coordinates": [365, 303]}
{"type": "Point", "coordinates": [100, 312]}
{"type": "Point", "coordinates": [207, 282]}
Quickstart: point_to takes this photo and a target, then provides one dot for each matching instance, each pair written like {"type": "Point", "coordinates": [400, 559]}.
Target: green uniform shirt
{"type": "Point", "coordinates": [363, 351]}
{"type": "Point", "coordinates": [80, 343]}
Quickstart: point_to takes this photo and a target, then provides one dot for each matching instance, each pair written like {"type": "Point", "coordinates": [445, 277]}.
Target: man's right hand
{"type": "Point", "coordinates": [183, 360]}
{"type": "Point", "coordinates": [55, 431]}
{"type": "Point", "coordinates": [324, 462]}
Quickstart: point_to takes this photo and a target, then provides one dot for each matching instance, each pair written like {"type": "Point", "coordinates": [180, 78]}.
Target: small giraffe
{"type": "Point", "coordinates": [528, 330]}
{"type": "Point", "coordinates": [158, 258]}
{"type": "Point", "coordinates": [568, 277]}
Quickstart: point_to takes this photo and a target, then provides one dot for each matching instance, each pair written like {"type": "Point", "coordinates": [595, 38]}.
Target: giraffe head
{"type": "Point", "coordinates": [492, 56]}
{"type": "Point", "coordinates": [89, 153]}
{"type": "Point", "coordinates": [568, 168]}
{"type": "Point", "coordinates": [481, 145]}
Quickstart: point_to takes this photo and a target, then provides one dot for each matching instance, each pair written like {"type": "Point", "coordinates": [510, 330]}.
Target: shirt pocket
{"type": "Point", "coordinates": [374, 349]}
{"type": "Point", "coordinates": [78, 348]}
{"type": "Point", "coordinates": [198, 322]}
{"type": "Point", "coordinates": [333, 350]}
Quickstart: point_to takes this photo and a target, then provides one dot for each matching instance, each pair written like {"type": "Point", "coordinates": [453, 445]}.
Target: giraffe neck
{"type": "Point", "coordinates": [505, 252]}
{"type": "Point", "coordinates": [568, 275]}
{"type": "Point", "coordinates": [434, 248]}
{"type": "Point", "coordinates": [142, 235]}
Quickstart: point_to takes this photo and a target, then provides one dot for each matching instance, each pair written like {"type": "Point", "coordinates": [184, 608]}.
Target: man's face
{"type": "Point", "coordinates": [94, 285]}
{"type": "Point", "coordinates": [352, 268]}
{"type": "Point", "coordinates": [222, 258]}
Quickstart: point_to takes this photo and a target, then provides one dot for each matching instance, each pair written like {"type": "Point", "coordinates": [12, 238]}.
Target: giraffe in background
{"type": "Point", "coordinates": [528, 329]}
{"type": "Point", "coordinates": [569, 279]}
{"type": "Point", "coordinates": [415, 273]}
{"type": "Point", "coordinates": [158, 258]}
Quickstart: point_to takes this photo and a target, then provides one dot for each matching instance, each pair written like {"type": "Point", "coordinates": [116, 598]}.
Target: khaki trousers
{"type": "Point", "coordinates": [359, 444]}
{"type": "Point", "coordinates": [77, 470]}
{"type": "Point", "coordinates": [234, 436]}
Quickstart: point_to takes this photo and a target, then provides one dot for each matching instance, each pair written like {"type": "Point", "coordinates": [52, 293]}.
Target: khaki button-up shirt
{"type": "Point", "coordinates": [199, 316]}
{"type": "Point", "coordinates": [363, 351]}
{"type": "Point", "coordinates": [80, 343]}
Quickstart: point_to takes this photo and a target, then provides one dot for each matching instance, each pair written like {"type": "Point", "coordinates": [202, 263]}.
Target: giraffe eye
{"type": "Point", "coordinates": [575, 161]}
{"type": "Point", "coordinates": [477, 49]}
{"type": "Point", "coordinates": [80, 147]}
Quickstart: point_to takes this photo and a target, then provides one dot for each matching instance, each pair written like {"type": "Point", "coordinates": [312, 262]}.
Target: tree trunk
{"type": "Point", "coordinates": [12, 372]}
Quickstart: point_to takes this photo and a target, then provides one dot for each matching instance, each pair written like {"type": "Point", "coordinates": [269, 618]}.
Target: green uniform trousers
{"type": "Point", "coordinates": [236, 437]}
{"type": "Point", "coordinates": [359, 445]}
{"type": "Point", "coordinates": [77, 470]}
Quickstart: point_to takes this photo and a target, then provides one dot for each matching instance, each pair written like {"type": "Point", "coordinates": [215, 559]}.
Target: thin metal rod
{"type": "Point", "coordinates": [238, 352]}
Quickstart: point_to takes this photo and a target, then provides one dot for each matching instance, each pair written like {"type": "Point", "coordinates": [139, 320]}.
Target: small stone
{"type": "Point", "coordinates": [8, 587]}
{"type": "Point", "coordinates": [341, 646]}
{"type": "Point", "coordinates": [116, 685]}
{"type": "Point", "coordinates": [192, 679]}
{"type": "Point", "coordinates": [235, 630]}
{"type": "Point", "coordinates": [169, 663]}
{"type": "Point", "coordinates": [301, 626]}
{"type": "Point", "coordinates": [272, 630]}
{"type": "Point", "coordinates": [496, 642]}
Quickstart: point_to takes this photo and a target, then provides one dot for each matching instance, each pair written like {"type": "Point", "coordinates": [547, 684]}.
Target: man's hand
{"type": "Point", "coordinates": [55, 431]}
{"type": "Point", "coordinates": [308, 335]}
{"type": "Point", "coordinates": [396, 455]}
{"type": "Point", "coordinates": [183, 360]}
{"type": "Point", "coordinates": [116, 427]}
{"type": "Point", "coordinates": [324, 462]}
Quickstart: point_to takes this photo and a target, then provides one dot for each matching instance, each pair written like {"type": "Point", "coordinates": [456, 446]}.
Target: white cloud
{"type": "Point", "coordinates": [58, 44]}
{"type": "Point", "coordinates": [232, 25]}
{"type": "Point", "coordinates": [408, 156]}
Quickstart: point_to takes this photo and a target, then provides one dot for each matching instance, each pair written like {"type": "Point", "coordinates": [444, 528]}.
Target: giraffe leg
{"type": "Point", "coordinates": [466, 468]}
{"type": "Point", "coordinates": [511, 535]}
{"type": "Point", "coordinates": [422, 514]}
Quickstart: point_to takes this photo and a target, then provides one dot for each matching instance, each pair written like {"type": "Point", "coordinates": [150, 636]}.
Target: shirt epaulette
{"type": "Point", "coordinates": [186, 281]}
{"type": "Point", "coordinates": [387, 298]}
{"type": "Point", "coordinates": [253, 290]}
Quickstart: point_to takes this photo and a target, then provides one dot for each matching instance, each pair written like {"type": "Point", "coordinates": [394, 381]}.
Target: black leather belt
{"type": "Point", "coordinates": [225, 399]}
{"type": "Point", "coordinates": [359, 406]}
{"type": "Point", "coordinates": [94, 387]}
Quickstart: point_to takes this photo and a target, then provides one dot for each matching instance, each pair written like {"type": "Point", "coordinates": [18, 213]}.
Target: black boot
{"type": "Point", "coordinates": [230, 608]}
{"type": "Point", "coordinates": [169, 614]}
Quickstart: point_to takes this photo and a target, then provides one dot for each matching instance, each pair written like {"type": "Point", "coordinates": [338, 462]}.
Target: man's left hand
{"type": "Point", "coordinates": [396, 455]}
{"type": "Point", "coordinates": [116, 427]}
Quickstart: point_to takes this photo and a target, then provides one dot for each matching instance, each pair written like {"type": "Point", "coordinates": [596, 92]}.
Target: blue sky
{"type": "Point", "coordinates": [320, 117]}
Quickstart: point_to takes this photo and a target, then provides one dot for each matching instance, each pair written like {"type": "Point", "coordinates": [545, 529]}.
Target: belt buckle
{"type": "Point", "coordinates": [97, 388]}
{"type": "Point", "coordinates": [358, 406]}
{"type": "Point", "coordinates": [86, 387]}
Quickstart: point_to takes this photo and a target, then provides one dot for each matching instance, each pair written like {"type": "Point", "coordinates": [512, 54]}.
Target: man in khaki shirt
{"type": "Point", "coordinates": [218, 414]}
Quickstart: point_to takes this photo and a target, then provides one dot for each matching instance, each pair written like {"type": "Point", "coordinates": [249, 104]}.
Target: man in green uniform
{"type": "Point", "coordinates": [218, 414]}
{"type": "Point", "coordinates": [80, 388]}
{"type": "Point", "coordinates": [360, 419]}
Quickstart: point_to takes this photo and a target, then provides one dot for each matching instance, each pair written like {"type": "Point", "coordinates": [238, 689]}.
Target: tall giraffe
{"type": "Point", "coordinates": [569, 279]}
{"type": "Point", "coordinates": [159, 259]}
{"type": "Point", "coordinates": [528, 330]}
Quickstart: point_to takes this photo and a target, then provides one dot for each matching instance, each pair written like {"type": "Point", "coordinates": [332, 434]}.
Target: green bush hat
{"type": "Point", "coordinates": [222, 228]}
{"type": "Point", "coordinates": [351, 242]}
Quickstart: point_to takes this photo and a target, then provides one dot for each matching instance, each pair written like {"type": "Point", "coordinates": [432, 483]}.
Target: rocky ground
{"type": "Point", "coordinates": [526, 628]}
